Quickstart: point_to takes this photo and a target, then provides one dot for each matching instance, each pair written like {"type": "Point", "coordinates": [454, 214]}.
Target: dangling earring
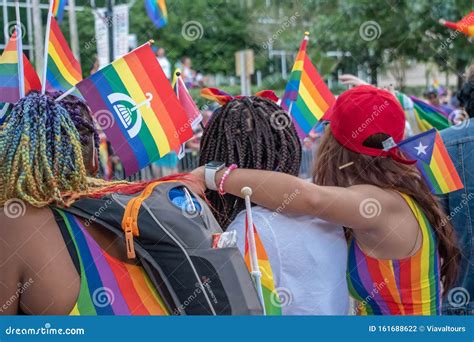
{"type": "Point", "coordinates": [94, 154]}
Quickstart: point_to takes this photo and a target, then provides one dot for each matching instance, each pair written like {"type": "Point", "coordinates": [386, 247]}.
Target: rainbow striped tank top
{"type": "Point", "coordinates": [409, 286]}
{"type": "Point", "coordinates": [108, 286]}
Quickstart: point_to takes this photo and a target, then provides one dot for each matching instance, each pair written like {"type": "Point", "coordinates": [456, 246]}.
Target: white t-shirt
{"type": "Point", "coordinates": [165, 65]}
{"type": "Point", "coordinates": [308, 257]}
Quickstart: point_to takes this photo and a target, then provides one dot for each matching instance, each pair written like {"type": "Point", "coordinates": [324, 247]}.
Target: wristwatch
{"type": "Point", "coordinates": [210, 171]}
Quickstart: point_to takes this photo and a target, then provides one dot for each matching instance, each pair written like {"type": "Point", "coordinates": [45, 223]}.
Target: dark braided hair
{"type": "Point", "coordinates": [254, 133]}
{"type": "Point", "coordinates": [466, 97]}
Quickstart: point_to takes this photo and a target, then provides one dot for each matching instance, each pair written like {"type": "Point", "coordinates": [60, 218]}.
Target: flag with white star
{"type": "Point", "coordinates": [433, 161]}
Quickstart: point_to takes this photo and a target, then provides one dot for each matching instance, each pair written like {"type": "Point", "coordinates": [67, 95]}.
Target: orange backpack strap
{"type": "Point", "coordinates": [130, 217]}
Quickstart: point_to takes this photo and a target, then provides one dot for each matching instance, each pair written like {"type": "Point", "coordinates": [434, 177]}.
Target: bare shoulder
{"type": "Point", "coordinates": [19, 222]}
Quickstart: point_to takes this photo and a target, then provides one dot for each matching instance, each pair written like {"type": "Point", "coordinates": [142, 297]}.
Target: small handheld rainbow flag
{"type": "Point", "coordinates": [134, 103]}
{"type": "Point", "coordinates": [157, 12]}
{"type": "Point", "coordinates": [9, 75]}
{"type": "Point", "coordinates": [270, 295]}
{"type": "Point", "coordinates": [192, 111]}
{"type": "Point", "coordinates": [64, 71]}
{"type": "Point", "coordinates": [58, 9]}
{"type": "Point", "coordinates": [425, 115]}
{"type": "Point", "coordinates": [433, 161]}
{"type": "Point", "coordinates": [306, 95]}
{"type": "Point", "coordinates": [465, 25]}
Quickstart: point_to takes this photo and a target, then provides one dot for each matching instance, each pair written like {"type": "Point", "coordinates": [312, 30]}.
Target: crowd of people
{"type": "Point", "coordinates": [321, 246]}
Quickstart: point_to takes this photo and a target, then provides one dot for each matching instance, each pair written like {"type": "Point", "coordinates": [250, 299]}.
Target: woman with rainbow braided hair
{"type": "Point", "coordinates": [50, 261]}
{"type": "Point", "coordinates": [402, 251]}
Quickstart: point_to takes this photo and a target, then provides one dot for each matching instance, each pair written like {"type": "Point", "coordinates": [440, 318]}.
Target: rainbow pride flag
{"type": "Point", "coordinates": [135, 105]}
{"type": "Point", "coordinates": [424, 115]}
{"type": "Point", "coordinates": [270, 295]}
{"type": "Point", "coordinates": [156, 10]}
{"type": "Point", "coordinates": [9, 76]}
{"type": "Point", "coordinates": [64, 71]}
{"type": "Point", "coordinates": [433, 161]}
{"type": "Point", "coordinates": [58, 9]}
{"type": "Point", "coordinates": [306, 95]}
{"type": "Point", "coordinates": [182, 93]}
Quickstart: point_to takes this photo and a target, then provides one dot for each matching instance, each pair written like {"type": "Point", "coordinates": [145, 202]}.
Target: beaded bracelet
{"type": "Point", "coordinates": [224, 177]}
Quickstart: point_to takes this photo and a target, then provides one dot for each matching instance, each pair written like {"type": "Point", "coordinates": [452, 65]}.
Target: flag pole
{"type": "Point", "coordinates": [46, 47]}
{"type": "Point", "coordinates": [255, 270]}
{"type": "Point", "coordinates": [19, 49]}
{"type": "Point", "coordinates": [63, 95]}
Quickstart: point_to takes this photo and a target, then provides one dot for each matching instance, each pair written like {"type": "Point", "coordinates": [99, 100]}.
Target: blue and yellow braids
{"type": "Point", "coordinates": [41, 159]}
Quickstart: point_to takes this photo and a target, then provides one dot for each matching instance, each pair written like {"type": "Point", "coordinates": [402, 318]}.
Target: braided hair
{"type": "Point", "coordinates": [254, 133]}
{"type": "Point", "coordinates": [41, 155]}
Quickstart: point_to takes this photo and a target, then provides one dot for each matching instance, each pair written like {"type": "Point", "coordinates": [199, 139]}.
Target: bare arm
{"type": "Point", "coordinates": [358, 207]}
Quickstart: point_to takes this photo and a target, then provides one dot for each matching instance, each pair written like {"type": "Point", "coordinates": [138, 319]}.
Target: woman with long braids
{"type": "Point", "coordinates": [402, 252]}
{"type": "Point", "coordinates": [307, 255]}
{"type": "Point", "coordinates": [50, 261]}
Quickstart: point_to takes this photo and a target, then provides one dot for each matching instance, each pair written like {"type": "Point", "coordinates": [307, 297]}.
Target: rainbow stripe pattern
{"type": "Point", "coordinates": [58, 9]}
{"type": "Point", "coordinates": [135, 105]}
{"type": "Point", "coordinates": [433, 161]}
{"type": "Point", "coordinates": [64, 71]}
{"type": "Point", "coordinates": [270, 295]}
{"type": "Point", "coordinates": [157, 12]}
{"type": "Point", "coordinates": [9, 77]}
{"type": "Point", "coordinates": [423, 115]}
{"type": "Point", "coordinates": [306, 95]}
{"type": "Point", "coordinates": [108, 285]}
{"type": "Point", "coordinates": [409, 286]}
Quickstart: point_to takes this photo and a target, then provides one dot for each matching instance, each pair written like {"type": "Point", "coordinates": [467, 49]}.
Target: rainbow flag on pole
{"type": "Point", "coordinates": [156, 10]}
{"type": "Point", "coordinates": [9, 75]}
{"type": "Point", "coordinates": [306, 95]}
{"type": "Point", "coordinates": [433, 161]}
{"type": "Point", "coordinates": [58, 9]}
{"type": "Point", "coordinates": [270, 295]}
{"type": "Point", "coordinates": [64, 71]}
{"type": "Point", "coordinates": [134, 103]}
{"type": "Point", "coordinates": [425, 116]}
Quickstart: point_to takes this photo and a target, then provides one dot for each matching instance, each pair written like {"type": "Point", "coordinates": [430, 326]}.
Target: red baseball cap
{"type": "Point", "coordinates": [363, 111]}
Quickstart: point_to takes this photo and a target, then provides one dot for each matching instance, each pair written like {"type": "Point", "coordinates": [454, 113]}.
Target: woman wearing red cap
{"type": "Point", "coordinates": [401, 251]}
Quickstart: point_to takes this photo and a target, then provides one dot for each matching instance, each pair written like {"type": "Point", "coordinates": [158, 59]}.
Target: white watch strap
{"type": "Point", "coordinates": [210, 178]}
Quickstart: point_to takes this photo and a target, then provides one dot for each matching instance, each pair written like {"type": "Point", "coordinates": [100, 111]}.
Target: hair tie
{"type": "Point", "coordinates": [223, 98]}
